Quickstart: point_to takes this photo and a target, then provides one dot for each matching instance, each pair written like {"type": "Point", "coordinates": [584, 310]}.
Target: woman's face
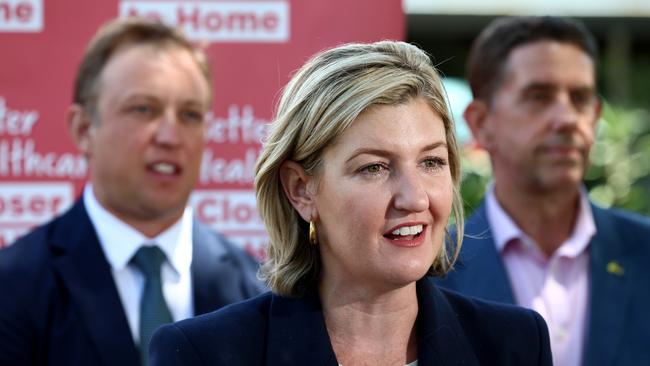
{"type": "Point", "coordinates": [383, 197]}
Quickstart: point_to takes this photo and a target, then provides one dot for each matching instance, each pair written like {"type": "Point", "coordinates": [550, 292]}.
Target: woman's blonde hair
{"type": "Point", "coordinates": [318, 104]}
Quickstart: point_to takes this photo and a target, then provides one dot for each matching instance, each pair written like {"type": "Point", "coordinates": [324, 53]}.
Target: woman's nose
{"type": "Point", "coordinates": [410, 193]}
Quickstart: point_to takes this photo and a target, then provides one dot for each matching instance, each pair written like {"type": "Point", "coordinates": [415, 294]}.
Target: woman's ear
{"type": "Point", "coordinates": [297, 185]}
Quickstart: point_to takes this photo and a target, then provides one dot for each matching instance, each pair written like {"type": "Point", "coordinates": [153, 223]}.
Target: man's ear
{"type": "Point", "coordinates": [299, 188]}
{"type": "Point", "coordinates": [598, 111]}
{"type": "Point", "coordinates": [79, 126]}
{"type": "Point", "coordinates": [476, 115]}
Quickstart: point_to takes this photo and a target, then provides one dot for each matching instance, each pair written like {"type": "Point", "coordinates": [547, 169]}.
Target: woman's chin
{"type": "Point", "coordinates": [408, 273]}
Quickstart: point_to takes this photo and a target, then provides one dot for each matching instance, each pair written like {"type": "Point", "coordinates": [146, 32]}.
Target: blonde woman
{"type": "Point", "coordinates": [356, 184]}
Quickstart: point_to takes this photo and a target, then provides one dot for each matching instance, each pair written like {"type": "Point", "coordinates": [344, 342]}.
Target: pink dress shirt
{"type": "Point", "coordinates": [557, 287]}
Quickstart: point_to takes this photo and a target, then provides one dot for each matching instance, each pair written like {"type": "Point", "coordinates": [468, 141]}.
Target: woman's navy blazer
{"type": "Point", "coordinates": [273, 330]}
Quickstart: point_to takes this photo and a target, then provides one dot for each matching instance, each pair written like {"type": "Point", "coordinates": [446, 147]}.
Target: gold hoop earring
{"type": "Point", "coordinates": [313, 239]}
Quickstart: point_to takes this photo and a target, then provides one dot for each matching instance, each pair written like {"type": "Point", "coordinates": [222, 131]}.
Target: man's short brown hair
{"type": "Point", "coordinates": [126, 32]}
{"type": "Point", "coordinates": [490, 50]}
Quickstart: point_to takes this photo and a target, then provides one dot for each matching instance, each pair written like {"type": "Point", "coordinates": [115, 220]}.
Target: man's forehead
{"type": "Point", "coordinates": [134, 73]}
{"type": "Point", "coordinates": [147, 47]}
{"type": "Point", "coordinates": [133, 60]}
{"type": "Point", "coordinates": [549, 62]}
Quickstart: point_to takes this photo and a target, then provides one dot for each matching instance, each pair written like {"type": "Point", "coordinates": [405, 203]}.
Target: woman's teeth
{"type": "Point", "coordinates": [408, 230]}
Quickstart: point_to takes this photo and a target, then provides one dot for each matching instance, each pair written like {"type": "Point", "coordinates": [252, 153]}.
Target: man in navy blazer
{"type": "Point", "coordinates": [537, 240]}
{"type": "Point", "coordinates": [71, 291]}
{"type": "Point", "coordinates": [617, 330]}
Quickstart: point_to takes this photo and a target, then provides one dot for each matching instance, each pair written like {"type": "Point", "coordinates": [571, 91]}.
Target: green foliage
{"type": "Point", "coordinates": [620, 171]}
{"type": "Point", "coordinates": [476, 174]}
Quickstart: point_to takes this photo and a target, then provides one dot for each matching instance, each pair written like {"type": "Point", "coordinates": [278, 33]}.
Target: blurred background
{"type": "Point", "coordinates": [254, 46]}
{"type": "Point", "coordinates": [620, 171]}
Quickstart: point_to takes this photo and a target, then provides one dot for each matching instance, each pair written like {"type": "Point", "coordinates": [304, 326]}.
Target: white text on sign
{"type": "Point", "coordinates": [218, 20]}
{"type": "Point", "coordinates": [24, 205]}
{"type": "Point", "coordinates": [21, 15]}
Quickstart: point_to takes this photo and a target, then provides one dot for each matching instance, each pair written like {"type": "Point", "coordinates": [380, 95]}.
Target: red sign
{"type": "Point", "coordinates": [253, 45]}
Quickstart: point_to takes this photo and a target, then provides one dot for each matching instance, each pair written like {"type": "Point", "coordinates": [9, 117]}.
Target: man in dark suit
{"type": "Point", "coordinates": [89, 287]}
{"type": "Point", "coordinates": [537, 240]}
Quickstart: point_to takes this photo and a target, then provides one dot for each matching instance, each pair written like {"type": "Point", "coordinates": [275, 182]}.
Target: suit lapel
{"type": "Point", "coordinates": [297, 334]}
{"type": "Point", "coordinates": [481, 272]}
{"type": "Point", "coordinates": [86, 274]}
{"type": "Point", "coordinates": [441, 340]}
{"type": "Point", "coordinates": [609, 290]}
{"type": "Point", "coordinates": [216, 278]}
{"type": "Point", "coordinates": [205, 270]}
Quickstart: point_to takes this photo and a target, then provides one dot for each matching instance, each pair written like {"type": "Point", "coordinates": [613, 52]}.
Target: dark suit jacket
{"type": "Point", "coordinates": [59, 304]}
{"type": "Point", "coordinates": [274, 330]}
{"type": "Point", "coordinates": [618, 325]}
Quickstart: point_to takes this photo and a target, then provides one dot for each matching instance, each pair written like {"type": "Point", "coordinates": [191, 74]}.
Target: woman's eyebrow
{"type": "Point", "coordinates": [385, 153]}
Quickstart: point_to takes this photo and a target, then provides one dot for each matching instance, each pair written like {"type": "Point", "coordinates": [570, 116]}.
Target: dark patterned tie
{"type": "Point", "coordinates": [153, 308]}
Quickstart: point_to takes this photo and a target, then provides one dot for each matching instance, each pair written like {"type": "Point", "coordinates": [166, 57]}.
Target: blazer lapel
{"type": "Point", "coordinates": [441, 340]}
{"type": "Point", "coordinates": [609, 290]}
{"type": "Point", "coordinates": [207, 271]}
{"type": "Point", "coordinates": [86, 274]}
{"type": "Point", "coordinates": [297, 334]}
{"type": "Point", "coordinates": [480, 270]}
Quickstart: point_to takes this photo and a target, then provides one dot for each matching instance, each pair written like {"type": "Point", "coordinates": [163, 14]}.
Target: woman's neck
{"type": "Point", "coordinates": [369, 327]}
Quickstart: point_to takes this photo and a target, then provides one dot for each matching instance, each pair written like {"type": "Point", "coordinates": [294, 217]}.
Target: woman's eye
{"type": "Point", "coordinates": [434, 162]}
{"type": "Point", "coordinates": [373, 168]}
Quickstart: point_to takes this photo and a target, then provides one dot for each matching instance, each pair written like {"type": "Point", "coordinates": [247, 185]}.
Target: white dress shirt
{"type": "Point", "coordinates": [120, 242]}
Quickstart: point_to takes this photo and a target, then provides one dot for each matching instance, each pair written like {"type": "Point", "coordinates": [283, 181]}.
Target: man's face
{"type": "Point", "coordinates": [540, 124]}
{"type": "Point", "coordinates": [145, 142]}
